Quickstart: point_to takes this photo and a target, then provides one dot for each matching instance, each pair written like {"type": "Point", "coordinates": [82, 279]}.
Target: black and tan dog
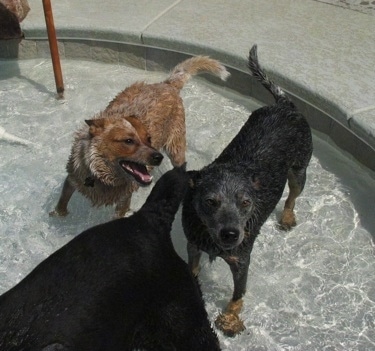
{"type": "Point", "coordinates": [116, 286]}
{"type": "Point", "coordinates": [230, 199]}
{"type": "Point", "coordinates": [112, 153]}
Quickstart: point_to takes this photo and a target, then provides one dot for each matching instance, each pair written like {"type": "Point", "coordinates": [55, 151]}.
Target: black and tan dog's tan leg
{"type": "Point", "coordinates": [194, 256]}
{"type": "Point", "coordinates": [229, 321]}
{"type": "Point", "coordinates": [296, 183]}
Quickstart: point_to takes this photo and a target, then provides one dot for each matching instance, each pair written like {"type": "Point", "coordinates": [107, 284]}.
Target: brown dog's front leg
{"type": "Point", "coordinates": [123, 206]}
{"type": "Point", "coordinates": [61, 208]}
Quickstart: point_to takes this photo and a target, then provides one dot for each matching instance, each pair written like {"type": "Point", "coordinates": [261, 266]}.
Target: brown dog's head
{"type": "Point", "coordinates": [120, 148]}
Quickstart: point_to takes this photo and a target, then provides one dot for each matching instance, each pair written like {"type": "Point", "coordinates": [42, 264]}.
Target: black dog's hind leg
{"type": "Point", "coordinates": [194, 255]}
{"type": "Point", "coordinates": [229, 321]}
{"type": "Point", "coordinates": [296, 183]}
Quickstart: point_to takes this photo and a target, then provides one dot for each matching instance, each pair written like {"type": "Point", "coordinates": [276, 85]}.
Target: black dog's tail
{"type": "Point", "coordinates": [261, 76]}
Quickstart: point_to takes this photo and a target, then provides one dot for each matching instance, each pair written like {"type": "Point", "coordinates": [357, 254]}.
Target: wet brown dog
{"type": "Point", "coordinates": [111, 154]}
{"type": "Point", "coordinates": [108, 162]}
{"type": "Point", "coordinates": [160, 107]}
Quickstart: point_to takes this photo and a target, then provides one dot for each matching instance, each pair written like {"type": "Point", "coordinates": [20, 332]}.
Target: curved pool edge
{"type": "Point", "coordinates": [323, 115]}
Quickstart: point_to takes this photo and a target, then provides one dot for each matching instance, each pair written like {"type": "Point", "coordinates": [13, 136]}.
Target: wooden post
{"type": "Point", "coordinates": [53, 47]}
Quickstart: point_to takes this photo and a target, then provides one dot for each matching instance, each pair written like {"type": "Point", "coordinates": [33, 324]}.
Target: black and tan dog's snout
{"type": "Point", "coordinates": [229, 236]}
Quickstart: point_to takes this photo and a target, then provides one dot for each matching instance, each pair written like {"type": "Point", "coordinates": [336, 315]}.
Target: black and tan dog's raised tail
{"type": "Point", "coordinates": [261, 76]}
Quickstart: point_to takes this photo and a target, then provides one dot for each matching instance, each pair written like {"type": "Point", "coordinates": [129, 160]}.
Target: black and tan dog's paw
{"type": "Point", "coordinates": [288, 220]}
{"type": "Point", "coordinates": [230, 324]}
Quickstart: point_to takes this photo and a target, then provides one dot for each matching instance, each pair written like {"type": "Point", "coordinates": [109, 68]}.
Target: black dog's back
{"type": "Point", "coordinates": [116, 286]}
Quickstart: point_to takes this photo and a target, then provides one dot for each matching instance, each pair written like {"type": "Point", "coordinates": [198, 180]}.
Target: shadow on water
{"type": "Point", "coordinates": [11, 69]}
{"type": "Point", "coordinates": [359, 185]}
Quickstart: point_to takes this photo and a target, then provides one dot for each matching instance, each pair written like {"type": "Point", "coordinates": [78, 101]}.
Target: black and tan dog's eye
{"type": "Point", "coordinates": [129, 141]}
{"type": "Point", "coordinates": [246, 203]}
{"type": "Point", "coordinates": [212, 202]}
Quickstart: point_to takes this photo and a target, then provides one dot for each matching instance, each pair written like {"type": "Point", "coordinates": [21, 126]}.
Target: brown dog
{"type": "Point", "coordinates": [160, 108]}
{"type": "Point", "coordinates": [111, 153]}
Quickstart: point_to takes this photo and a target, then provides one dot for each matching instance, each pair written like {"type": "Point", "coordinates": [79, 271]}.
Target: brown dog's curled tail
{"type": "Point", "coordinates": [195, 65]}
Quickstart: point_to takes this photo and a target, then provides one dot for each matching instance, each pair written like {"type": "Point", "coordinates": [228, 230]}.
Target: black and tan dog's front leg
{"type": "Point", "coordinates": [229, 321]}
{"type": "Point", "coordinates": [194, 256]}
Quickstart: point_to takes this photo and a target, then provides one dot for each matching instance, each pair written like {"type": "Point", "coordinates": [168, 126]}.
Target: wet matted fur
{"type": "Point", "coordinates": [155, 119]}
{"type": "Point", "coordinates": [116, 286]}
{"type": "Point", "coordinates": [108, 162]}
{"type": "Point", "coordinates": [160, 107]}
{"type": "Point", "coordinates": [230, 199]}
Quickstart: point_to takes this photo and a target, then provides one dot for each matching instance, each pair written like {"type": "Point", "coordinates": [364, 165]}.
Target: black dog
{"type": "Point", "coordinates": [118, 286]}
{"type": "Point", "coordinates": [230, 199]}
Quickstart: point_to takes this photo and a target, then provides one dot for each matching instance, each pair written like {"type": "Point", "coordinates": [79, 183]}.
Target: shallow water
{"type": "Point", "coordinates": [312, 288]}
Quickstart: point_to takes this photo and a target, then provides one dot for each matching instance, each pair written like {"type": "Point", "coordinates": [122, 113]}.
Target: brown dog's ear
{"type": "Point", "coordinates": [96, 126]}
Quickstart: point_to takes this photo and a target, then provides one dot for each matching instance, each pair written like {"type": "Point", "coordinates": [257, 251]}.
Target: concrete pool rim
{"type": "Point", "coordinates": [323, 115]}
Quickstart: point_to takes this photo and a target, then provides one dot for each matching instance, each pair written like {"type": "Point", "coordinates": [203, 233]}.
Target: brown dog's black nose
{"type": "Point", "coordinates": [229, 235]}
{"type": "Point", "coordinates": [156, 158]}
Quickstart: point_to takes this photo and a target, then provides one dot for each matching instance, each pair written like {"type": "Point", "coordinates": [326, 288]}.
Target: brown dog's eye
{"type": "Point", "coordinates": [149, 140]}
{"type": "Point", "coordinates": [129, 141]}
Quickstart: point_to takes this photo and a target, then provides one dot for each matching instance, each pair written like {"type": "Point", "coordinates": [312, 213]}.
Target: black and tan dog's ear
{"type": "Point", "coordinates": [255, 182]}
{"type": "Point", "coordinates": [191, 183]}
{"type": "Point", "coordinates": [183, 166]}
{"type": "Point", "coordinates": [193, 177]}
{"type": "Point", "coordinates": [96, 126]}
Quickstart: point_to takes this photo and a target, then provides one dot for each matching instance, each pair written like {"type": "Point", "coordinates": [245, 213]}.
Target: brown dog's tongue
{"type": "Point", "coordinates": [139, 172]}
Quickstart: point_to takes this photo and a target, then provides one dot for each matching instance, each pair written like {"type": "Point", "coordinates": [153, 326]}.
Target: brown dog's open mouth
{"type": "Point", "coordinates": [138, 171]}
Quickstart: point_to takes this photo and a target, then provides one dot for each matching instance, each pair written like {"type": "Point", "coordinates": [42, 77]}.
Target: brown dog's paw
{"type": "Point", "coordinates": [56, 213]}
{"type": "Point", "coordinates": [288, 220]}
{"type": "Point", "coordinates": [230, 324]}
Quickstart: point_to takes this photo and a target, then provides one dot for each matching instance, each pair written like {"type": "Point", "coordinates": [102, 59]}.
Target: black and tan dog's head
{"type": "Point", "coordinates": [224, 199]}
{"type": "Point", "coordinates": [120, 148]}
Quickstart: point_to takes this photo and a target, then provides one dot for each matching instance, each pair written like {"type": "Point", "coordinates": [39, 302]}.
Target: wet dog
{"type": "Point", "coordinates": [160, 107]}
{"type": "Point", "coordinates": [108, 162]}
{"type": "Point", "coordinates": [116, 286]}
{"type": "Point", "coordinates": [111, 157]}
{"type": "Point", "coordinates": [230, 199]}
